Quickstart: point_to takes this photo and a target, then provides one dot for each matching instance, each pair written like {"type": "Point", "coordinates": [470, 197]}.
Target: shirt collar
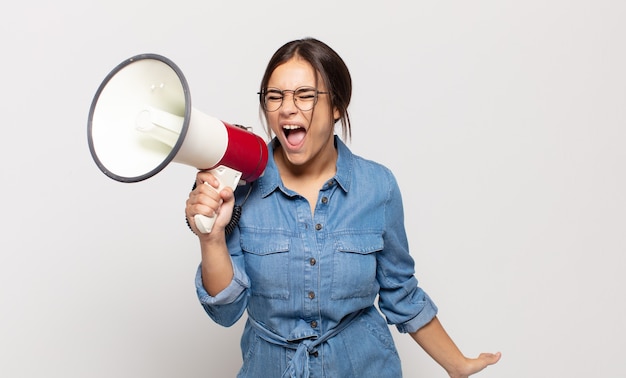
{"type": "Point", "coordinates": [271, 181]}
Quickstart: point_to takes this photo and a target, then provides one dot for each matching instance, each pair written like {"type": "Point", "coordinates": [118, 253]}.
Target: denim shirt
{"type": "Point", "coordinates": [304, 277]}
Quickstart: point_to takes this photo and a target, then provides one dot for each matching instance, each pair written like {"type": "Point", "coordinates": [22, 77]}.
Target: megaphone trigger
{"type": "Point", "coordinates": [227, 177]}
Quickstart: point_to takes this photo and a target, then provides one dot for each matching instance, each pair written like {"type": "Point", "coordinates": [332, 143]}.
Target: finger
{"type": "Point", "coordinates": [203, 200]}
{"type": "Point", "coordinates": [193, 207]}
{"type": "Point", "coordinates": [227, 194]}
{"type": "Point", "coordinates": [206, 177]}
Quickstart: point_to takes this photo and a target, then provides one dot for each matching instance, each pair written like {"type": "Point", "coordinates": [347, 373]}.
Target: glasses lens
{"type": "Point", "coordinates": [305, 98]}
{"type": "Point", "coordinates": [272, 100]}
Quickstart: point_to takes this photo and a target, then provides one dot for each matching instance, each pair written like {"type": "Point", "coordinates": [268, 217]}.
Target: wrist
{"type": "Point", "coordinates": [458, 369]}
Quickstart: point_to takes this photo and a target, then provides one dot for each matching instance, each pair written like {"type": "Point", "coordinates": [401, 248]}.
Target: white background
{"type": "Point", "coordinates": [503, 121]}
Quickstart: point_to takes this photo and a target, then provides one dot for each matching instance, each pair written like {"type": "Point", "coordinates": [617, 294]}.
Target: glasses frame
{"type": "Point", "coordinates": [277, 91]}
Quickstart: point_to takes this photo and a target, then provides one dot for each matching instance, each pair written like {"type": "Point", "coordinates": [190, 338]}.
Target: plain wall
{"type": "Point", "coordinates": [503, 121]}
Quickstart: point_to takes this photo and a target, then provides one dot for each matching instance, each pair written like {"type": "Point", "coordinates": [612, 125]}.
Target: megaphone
{"type": "Point", "coordinates": [141, 119]}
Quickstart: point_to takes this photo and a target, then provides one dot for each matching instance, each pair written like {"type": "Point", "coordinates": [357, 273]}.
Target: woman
{"type": "Point", "coordinates": [321, 236]}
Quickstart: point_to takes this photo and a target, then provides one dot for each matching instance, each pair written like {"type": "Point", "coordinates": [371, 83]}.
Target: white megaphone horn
{"type": "Point", "coordinates": [141, 119]}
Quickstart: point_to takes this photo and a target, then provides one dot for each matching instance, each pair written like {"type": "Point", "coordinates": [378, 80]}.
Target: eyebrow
{"type": "Point", "coordinates": [273, 89]}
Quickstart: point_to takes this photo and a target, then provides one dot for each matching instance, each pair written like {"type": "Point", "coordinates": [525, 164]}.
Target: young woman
{"type": "Point", "coordinates": [321, 236]}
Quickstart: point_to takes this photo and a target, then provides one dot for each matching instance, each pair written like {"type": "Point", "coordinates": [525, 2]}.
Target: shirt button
{"type": "Point", "coordinates": [318, 227]}
{"type": "Point", "coordinates": [315, 354]}
{"type": "Point", "coordinates": [311, 295]}
{"type": "Point", "coordinates": [313, 324]}
{"type": "Point", "coordinates": [312, 261]}
{"type": "Point", "coordinates": [324, 200]}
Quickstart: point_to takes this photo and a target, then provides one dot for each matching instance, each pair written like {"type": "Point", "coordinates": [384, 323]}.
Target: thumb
{"type": "Point", "coordinates": [225, 211]}
{"type": "Point", "coordinates": [490, 358]}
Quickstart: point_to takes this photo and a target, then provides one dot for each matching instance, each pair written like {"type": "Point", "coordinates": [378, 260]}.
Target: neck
{"type": "Point", "coordinates": [321, 167]}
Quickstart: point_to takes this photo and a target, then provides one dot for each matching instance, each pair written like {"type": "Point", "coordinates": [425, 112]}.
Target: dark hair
{"type": "Point", "coordinates": [328, 64]}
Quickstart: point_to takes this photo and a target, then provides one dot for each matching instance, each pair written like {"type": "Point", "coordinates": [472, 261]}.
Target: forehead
{"type": "Point", "coordinates": [294, 73]}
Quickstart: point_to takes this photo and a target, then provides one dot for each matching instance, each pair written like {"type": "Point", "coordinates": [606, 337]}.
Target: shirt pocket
{"type": "Point", "coordinates": [354, 266]}
{"type": "Point", "coordinates": [267, 264]}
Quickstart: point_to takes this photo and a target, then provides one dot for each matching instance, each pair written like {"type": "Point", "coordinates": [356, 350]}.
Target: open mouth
{"type": "Point", "coordinates": [294, 134]}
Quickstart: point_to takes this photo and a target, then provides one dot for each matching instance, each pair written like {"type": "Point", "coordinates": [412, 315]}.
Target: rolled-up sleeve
{"type": "Point", "coordinates": [427, 312]}
{"type": "Point", "coordinates": [401, 300]}
{"type": "Point", "coordinates": [227, 306]}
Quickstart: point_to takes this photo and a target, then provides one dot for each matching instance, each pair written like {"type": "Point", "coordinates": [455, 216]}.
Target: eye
{"type": "Point", "coordinates": [273, 95]}
{"type": "Point", "coordinates": [305, 94]}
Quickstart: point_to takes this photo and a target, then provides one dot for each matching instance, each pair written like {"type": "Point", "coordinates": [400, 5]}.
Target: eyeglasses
{"type": "Point", "coordinates": [304, 98]}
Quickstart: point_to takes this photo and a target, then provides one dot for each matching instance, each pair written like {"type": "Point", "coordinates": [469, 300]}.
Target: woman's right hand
{"type": "Point", "coordinates": [206, 200]}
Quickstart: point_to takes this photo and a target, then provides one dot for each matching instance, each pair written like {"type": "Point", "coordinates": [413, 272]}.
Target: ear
{"type": "Point", "coordinates": [336, 115]}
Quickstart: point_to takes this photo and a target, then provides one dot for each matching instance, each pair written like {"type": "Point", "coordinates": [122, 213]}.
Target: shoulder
{"type": "Point", "coordinates": [370, 164]}
{"type": "Point", "coordinates": [364, 166]}
{"type": "Point", "coordinates": [359, 165]}
{"type": "Point", "coordinates": [370, 177]}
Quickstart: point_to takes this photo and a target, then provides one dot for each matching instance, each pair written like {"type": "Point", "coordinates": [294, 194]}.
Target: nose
{"type": "Point", "coordinates": [289, 104]}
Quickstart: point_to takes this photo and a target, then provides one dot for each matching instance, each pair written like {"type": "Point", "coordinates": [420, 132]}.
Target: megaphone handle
{"type": "Point", "coordinates": [227, 177]}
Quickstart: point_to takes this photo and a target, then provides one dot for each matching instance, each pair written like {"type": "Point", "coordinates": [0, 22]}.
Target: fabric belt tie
{"type": "Point", "coordinates": [298, 367]}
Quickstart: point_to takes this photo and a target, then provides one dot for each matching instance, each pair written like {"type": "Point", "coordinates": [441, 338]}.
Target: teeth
{"type": "Point", "coordinates": [291, 127]}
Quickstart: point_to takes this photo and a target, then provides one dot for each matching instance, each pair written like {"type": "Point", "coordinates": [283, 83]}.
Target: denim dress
{"type": "Point", "coordinates": [320, 290]}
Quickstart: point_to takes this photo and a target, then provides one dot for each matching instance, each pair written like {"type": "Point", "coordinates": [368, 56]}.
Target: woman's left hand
{"type": "Point", "coordinates": [474, 365]}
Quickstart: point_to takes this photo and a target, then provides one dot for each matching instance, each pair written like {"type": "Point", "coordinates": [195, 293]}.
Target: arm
{"type": "Point", "coordinates": [217, 269]}
{"type": "Point", "coordinates": [435, 341]}
{"type": "Point", "coordinates": [405, 304]}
